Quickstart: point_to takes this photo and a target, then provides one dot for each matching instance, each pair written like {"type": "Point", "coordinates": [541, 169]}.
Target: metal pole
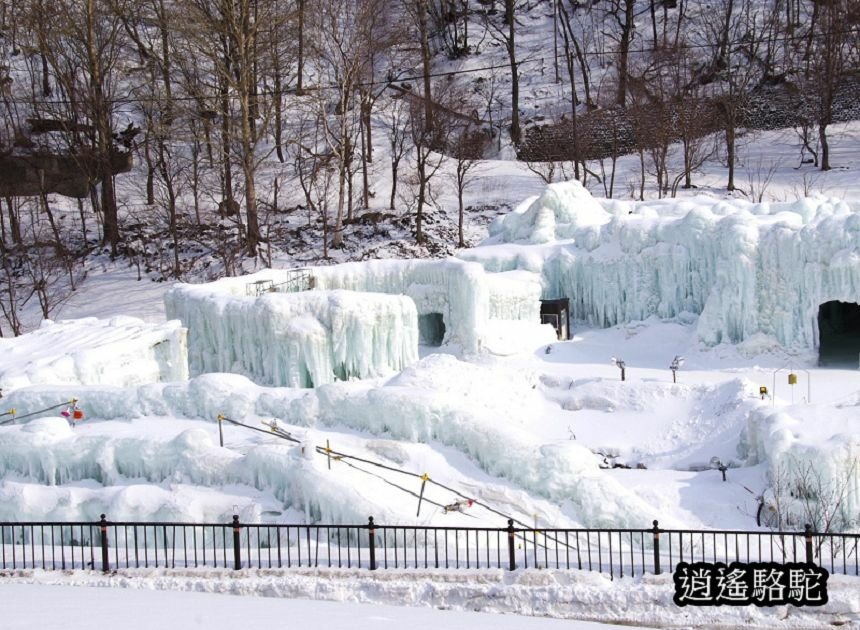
{"type": "Point", "coordinates": [424, 479]}
{"type": "Point", "coordinates": [237, 545]}
{"type": "Point", "coordinates": [220, 430]}
{"type": "Point", "coordinates": [656, 531]}
{"type": "Point", "coordinates": [371, 533]}
{"type": "Point", "coordinates": [105, 562]}
{"type": "Point", "coordinates": [807, 532]}
{"type": "Point", "coordinates": [512, 556]}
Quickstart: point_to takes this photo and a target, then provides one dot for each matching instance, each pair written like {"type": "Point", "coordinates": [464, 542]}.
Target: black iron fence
{"type": "Point", "coordinates": [107, 545]}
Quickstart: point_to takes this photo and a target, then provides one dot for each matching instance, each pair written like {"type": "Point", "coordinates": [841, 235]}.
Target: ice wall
{"type": "Point", "coordinates": [370, 327]}
{"type": "Point", "coordinates": [295, 339]}
{"type": "Point", "coordinates": [119, 351]}
{"type": "Point", "coordinates": [50, 472]}
{"type": "Point", "coordinates": [463, 293]}
{"type": "Point", "coordinates": [745, 268]}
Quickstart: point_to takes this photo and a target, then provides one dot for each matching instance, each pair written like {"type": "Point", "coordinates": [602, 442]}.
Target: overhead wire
{"type": "Point", "coordinates": [342, 457]}
{"type": "Point", "coordinates": [536, 56]}
{"type": "Point", "coordinates": [16, 416]}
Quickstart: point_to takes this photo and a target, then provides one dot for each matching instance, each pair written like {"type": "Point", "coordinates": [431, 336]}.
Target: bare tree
{"type": "Point", "coordinates": [428, 139]}
{"type": "Point", "coordinates": [467, 150]}
{"type": "Point", "coordinates": [505, 32]}
{"type": "Point", "coordinates": [827, 62]}
{"type": "Point", "coordinates": [398, 133]}
{"type": "Point", "coordinates": [233, 37]}
{"type": "Point", "coordinates": [343, 41]}
{"type": "Point", "coordinates": [802, 492]}
{"type": "Point", "coordinates": [81, 44]}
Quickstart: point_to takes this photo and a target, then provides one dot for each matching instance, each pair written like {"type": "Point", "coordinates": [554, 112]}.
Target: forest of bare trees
{"type": "Point", "coordinates": [179, 132]}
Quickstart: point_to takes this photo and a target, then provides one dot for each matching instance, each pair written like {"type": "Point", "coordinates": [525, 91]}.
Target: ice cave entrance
{"type": "Point", "coordinates": [431, 329]}
{"type": "Point", "coordinates": [839, 334]}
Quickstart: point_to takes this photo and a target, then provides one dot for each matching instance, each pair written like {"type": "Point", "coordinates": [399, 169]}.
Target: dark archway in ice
{"type": "Point", "coordinates": [839, 334]}
{"type": "Point", "coordinates": [431, 329]}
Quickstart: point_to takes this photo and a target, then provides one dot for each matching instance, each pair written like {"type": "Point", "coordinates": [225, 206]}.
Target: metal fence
{"type": "Point", "coordinates": [106, 545]}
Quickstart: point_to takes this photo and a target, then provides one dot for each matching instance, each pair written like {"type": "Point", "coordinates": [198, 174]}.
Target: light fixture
{"type": "Point", "coordinates": [717, 463]}
{"type": "Point", "coordinates": [676, 364]}
{"type": "Point", "coordinates": [619, 363]}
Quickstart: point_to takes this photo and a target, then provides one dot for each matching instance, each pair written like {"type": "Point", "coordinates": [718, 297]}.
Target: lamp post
{"type": "Point", "coordinates": [676, 364]}
{"type": "Point", "coordinates": [619, 363]}
{"type": "Point", "coordinates": [717, 463]}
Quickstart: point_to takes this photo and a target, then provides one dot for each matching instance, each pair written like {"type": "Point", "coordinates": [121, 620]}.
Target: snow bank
{"type": "Point", "coordinates": [813, 457]}
{"type": "Point", "coordinates": [569, 595]}
{"type": "Point", "coordinates": [746, 268]}
{"type": "Point", "coordinates": [120, 351]}
{"type": "Point", "coordinates": [296, 339]}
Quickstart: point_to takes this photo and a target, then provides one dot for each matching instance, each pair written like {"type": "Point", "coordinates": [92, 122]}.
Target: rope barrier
{"type": "Point", "coordinates": [13, 412]}
{"type": "Point", "coordinates": [424, 477]}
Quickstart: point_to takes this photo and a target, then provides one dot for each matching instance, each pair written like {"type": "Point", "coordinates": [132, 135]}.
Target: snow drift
{"type": "Point", "coordinates": [120, 351]}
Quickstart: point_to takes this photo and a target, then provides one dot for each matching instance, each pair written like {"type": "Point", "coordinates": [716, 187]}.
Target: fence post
{"type": "Point", "coordinates": [807, 532]}
{"type": "Point", "coordinates": [371, 536]}
{"type": "Point", "coordinates": [237, 544]}
{"type": "Point", "coordinates": [103, 527]}
{"type": "Point", "coordinates": [512, 555]}
{"type": "Point", "coordinates": [656, 531]}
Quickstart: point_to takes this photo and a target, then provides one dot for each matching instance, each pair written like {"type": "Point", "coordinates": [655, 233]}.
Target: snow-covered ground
{"type": "Point", "coordinates": [423, 599]}
{"type": "Point", "coordinates": [76, 607]}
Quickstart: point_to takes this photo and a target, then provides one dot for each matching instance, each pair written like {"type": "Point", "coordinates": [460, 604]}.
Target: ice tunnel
{"type": "Point", "coordinates": [431, 329]}
{"type": "Point", "coordinates": [839, 334]}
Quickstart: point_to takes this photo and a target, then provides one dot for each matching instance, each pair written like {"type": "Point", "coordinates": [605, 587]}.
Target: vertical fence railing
{"type": "Point", "coordinates": [104, 545]}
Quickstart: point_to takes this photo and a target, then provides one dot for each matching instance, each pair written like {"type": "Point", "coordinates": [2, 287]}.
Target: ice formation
{"type": "Point", "coordinates": [119, 351]}
{"type": "Point", "coordinates": [812, 454]}
{"type": "Point", "coordinates": [465, 296]}
{"type": "Point", "coordinates": [744, 268]}
{"type": "Point", "coordinates": [295, 339]}
{"type": "Point", "coordinates": [487, 414]}
{"type": "Point", "coordinates": [360, 320]}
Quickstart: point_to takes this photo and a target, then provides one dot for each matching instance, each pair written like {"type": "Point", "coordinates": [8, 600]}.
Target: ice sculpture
{"type": "Point", "coordinates": [360, 320]}
{"type": "Point", "coordinates": [745, 268]}
{"type": "Point", "coordinates": [295, 339]}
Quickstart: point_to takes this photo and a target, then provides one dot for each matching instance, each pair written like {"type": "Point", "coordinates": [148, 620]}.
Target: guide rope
{"type": "Point", "coordinates": [277, 431]}
{"type": "Point", "coordinates": [14, 413]}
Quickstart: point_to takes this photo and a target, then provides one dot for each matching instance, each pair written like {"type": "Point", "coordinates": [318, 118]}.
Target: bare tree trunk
{"type": "Point", "coordinates": [730, 155]}
{"type": "Point", "coordinates": [624, 51]}
{"type": "Point", "coordinates": [301, 51]}
{"type": "Point", "coordinates": [102, 123]}
{"type": "Point", "coordinates": [515, 78]}
{"type": "Point", "coordinates": [425, 63]}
